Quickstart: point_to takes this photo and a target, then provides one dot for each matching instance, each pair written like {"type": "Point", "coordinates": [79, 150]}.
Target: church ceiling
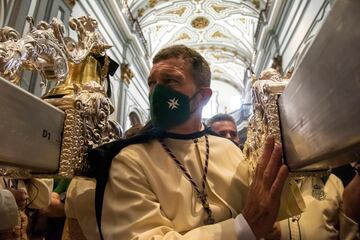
{"type": "Point", "coordinates": [222, 30]}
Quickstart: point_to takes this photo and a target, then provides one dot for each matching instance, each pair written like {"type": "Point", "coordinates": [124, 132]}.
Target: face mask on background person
{"type": "Point", "coordinates": [168, 107]}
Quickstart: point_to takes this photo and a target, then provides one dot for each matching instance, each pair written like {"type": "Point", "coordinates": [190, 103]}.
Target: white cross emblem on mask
{"type": "Point", "coordinates": [173, 103]}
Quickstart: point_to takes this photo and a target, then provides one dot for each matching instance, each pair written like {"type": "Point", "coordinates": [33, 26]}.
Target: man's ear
{"type": "Point", "coordinates": [206, 94]}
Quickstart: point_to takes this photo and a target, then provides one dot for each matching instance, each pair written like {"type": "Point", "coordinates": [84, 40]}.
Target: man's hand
{"type": "Point", "coordinates": [263, 200]}
{"type": "Point", "coordinates": [351, 199]}
{"type": "Point", "coordinates": [275, 233]}
{"type": "Point", "coordinates": [20, 196]}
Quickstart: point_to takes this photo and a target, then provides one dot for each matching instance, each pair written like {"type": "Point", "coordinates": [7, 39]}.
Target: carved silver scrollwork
{"type": "Point", "coordinates": [45, 48]}
{"type": "Point", "coordinates": [37, 50]}
{"type": "Point", "coordinates": [87, 109]}
{"type": "Point", "coordinates": [265, 118]}
{"type": "Point", "coordinates": [95, 109]}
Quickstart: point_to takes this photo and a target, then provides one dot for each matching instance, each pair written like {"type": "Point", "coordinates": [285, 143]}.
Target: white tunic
{"type": "Point", "coordinates": [323, 218]}
{"type": "Point", "coordinates": [148, 197]}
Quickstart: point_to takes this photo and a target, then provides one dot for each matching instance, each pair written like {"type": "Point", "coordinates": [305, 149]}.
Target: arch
{"type": "Point", "coordinates": [134, 118]}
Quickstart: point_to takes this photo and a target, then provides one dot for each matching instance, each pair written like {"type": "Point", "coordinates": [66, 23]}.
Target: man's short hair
{"type": "Point", "coordinates": [219, 118]}
{"type": "Point", "coordinates": [200, 67]}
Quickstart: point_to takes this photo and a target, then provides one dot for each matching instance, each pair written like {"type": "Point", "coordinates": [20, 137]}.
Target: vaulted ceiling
{"type": "Point", "coordinates": [222, 30]}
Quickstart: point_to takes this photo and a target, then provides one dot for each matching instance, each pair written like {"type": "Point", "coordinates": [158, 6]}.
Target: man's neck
{"type": "Point", "coordinates": [190, 126]}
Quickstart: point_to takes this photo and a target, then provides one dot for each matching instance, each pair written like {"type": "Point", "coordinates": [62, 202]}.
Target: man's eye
{"type": "Point", "coordinates": [170, 80]}
{"type": "Point", "coordinates": [150, 84]}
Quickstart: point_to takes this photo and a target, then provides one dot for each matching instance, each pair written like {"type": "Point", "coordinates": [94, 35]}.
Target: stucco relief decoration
{"type": "Point", "coordinates": [180, 11]}
{"type": "Point", "coordinates": [140, 12]}
{"type": "Point", "coordinates": [211, 23]}
{"type": "Point", "coordinates": [79, 69]}
{"type": "Point", "coordinates": [152, 3]}
{"type": "Point", "coordinates": [183, 36]}
{"type": "Point", "coordinates": [218, 56]}
{"type": "Point", "coordinates": [218, 8]}
{"type": "Point", "coordinates": [219, 34]}
{"type": "Point", "coordinates": [71, 3]}
{"type": "Point", "coordinates": [256, 3]}
{"type": "Point", "coordinates": [126, 73]}
{"type": "Point", "coordinates": [200, 23]}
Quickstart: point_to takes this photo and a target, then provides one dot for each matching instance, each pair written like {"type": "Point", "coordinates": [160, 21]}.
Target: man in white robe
{"type": "Point", "coordinates": [188, 184]}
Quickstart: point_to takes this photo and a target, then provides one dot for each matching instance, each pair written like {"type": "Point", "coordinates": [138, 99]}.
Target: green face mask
{"type": "Point", "coordinates": [168, 108]}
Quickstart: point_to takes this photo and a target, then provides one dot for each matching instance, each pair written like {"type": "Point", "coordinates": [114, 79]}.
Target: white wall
{"type": "Point", "coordinates": [289, 32]}
{"type": "Point", "coordinates": [225, 99]}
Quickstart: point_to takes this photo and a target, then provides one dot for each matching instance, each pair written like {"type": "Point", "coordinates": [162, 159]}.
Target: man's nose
{"type": "Point", "coordinates": [228, 135]}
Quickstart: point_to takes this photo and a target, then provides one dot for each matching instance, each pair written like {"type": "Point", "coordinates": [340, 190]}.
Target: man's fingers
{"type": "Point", "coordinates": [279, 182]}
{"type": "Point", "coordinates": [265, 157]}
{"type": "Point", "coordinates": [273, 166]}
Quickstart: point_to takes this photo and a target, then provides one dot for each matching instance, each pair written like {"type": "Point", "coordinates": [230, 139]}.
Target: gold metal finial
{"type": "Point", "coordinates": [79, 74]}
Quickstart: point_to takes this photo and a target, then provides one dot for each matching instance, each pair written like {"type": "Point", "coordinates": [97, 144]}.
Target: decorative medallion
{"type": "Point", "coordinates": [200, 22]}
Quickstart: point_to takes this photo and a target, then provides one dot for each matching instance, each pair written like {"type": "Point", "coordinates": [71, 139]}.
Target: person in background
{"type": "Point", "coordinates": [56, 211]}
{"type": "Point", "coordinates": [80, 212]}
{"type": "Point", "coordinates": [10, 201]}
{"type": "Point", "coordinates": [16, 197]}
{"type": "Point", "coordinates": [225, 126]}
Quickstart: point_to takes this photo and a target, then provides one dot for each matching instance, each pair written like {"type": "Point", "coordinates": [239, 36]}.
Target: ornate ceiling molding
{"type": "Point", "coordinates": [222, 30]}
